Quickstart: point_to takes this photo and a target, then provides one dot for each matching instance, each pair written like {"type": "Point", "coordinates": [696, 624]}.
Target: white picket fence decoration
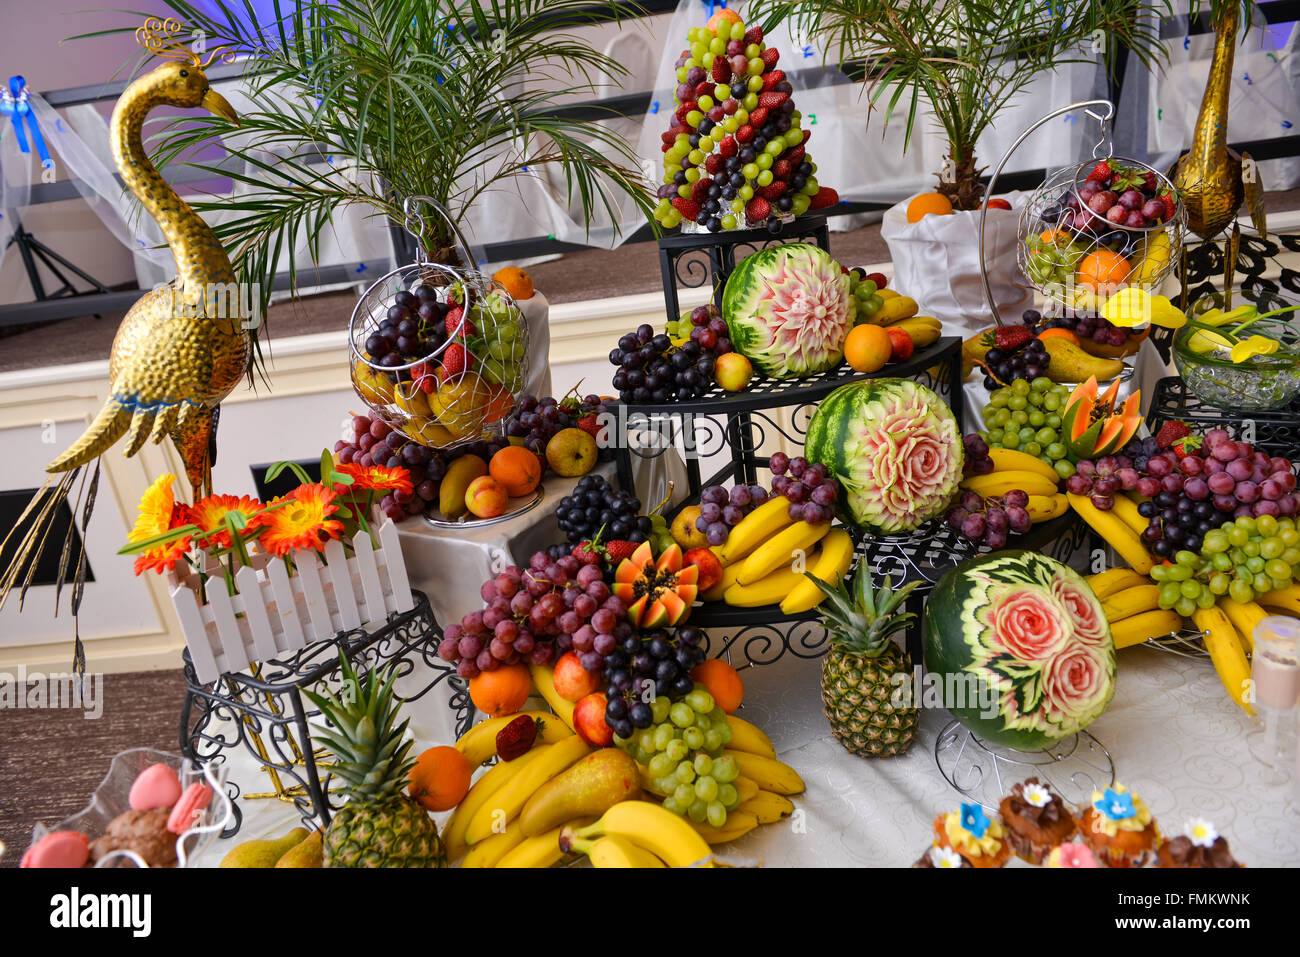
{"type": "Point", "coordinates": [273, 614]}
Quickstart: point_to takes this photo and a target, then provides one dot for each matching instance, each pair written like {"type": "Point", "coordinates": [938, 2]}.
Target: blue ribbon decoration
{"type": "Point", "coordinates": [16, 104]}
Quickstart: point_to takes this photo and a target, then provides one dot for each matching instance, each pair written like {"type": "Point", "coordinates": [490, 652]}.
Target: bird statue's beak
{"type": "Point", "coordinates": [214, 102]}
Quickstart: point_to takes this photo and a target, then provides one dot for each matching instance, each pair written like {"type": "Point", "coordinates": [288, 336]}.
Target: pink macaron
{"type": "Point", "coordinates": [58, 849]}
{"type": "Point", "coordinates": [189, 807]}
{"type": "Point", "coordinates": [156, 786]}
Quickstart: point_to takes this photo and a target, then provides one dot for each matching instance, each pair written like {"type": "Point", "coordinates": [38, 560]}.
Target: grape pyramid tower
{"type": "Point", "coordinates": [735, 154]}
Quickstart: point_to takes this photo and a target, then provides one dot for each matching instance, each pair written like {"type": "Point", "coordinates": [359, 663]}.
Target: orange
{"type": "Point", "coordinates": [1052, 235]}
{"type": "Point", "coordinates": [867, 348]}
{"type": "Point", "coordinates": [928, 204]}
{"type": "Point", "coordinates": [518, 469]}
{"type": "Point", "coordinates": [722, 681]}
{"type": "Point", "coordinates": [1102, 268]}
{"type": "Point", "coordinates": [517, 282]}
{"type": "Point", "coordinates": [1056, 332]}
{"type": "Point", "coordinates": [730, 16]}
{"type": "Point", "coordinates": [501, 691]}
{"type": "Point", "coordinates": [440, 779]}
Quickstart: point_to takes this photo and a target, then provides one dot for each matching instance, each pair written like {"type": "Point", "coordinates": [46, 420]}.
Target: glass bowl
{"type": "Point", "coordinates": [111, 799]}
{"type": "Point", "coordinates": [1260, 384]}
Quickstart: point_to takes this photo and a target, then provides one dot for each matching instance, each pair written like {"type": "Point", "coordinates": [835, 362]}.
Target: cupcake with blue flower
{"type": "Point", "coordinates": [1119, 828]}
{"type": "Point", "coordinates": [973, 835]}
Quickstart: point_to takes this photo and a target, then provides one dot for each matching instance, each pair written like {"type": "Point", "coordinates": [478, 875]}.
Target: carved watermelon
{"type": "Point", "coordinates": [893, 446]}
{"type": "Point", "coordinates": [788, 309]}
{"type": "Point", "coordinates": [1029, 632]}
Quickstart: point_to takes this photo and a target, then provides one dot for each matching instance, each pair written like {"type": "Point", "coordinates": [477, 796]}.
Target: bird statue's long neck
{"type": "Point", "coordinates": [1210, 137]}
{"type": "Point", "coordinates": [200, 257]}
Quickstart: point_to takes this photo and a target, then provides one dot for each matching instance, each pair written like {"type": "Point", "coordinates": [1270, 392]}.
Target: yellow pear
{"type": "Point", "coordinates": [264, 853]}
{"type": "Point", "coordinates": [308, 853]}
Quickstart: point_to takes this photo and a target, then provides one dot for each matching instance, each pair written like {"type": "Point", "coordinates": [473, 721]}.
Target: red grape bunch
{"type": "Point", "coordinates": [808, 486]}
{"type": "Point", "coordinates": [722, 509]}
{"type": "Point", "coordinates": [988, 520]}
{"type": "Point", "coordinates": [977, 460]}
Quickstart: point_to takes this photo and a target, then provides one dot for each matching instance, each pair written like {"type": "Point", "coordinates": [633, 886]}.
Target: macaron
{"type": "Point", "coordinates": [156, 786]}
{"type": "Point", "coordinates": [189, 807]}
{"type": "Point", "coordinates": [58, 849]}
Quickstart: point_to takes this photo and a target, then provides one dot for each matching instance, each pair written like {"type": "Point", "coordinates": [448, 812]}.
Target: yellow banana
{"type": "Point", "coordinates": [1114, 580]}
{"type": "Point", "coordinates": [1225, 650]}
{"type": "Point", "coordinates": [1244, 617]}
{"type": "Point", "coordinates": [749, 738]}
{"type": "Point", "coordinates": [540, 851]}
{"type": "Point", "coordinates": [1155, 258]}
{"type": "Point", "coordinates": [488, 852]}
{"type": "Point", "coordinates": [746, 787]}
{"type": "Point", "coordinates": [1000, 483]}
{"type": "Point", "coordinates": [894, 309]}
{"type": "Point", "coordinates": [544, 682]}
{"type": "Point", "coordinates": [1136, 629]}
{"type": "Point", "coordinates": [922, 330]}
{"type": "Point", "coordinates": [1013, 460]}
{"type": "Point", "coordinates": [887, 294]}
{"type": "Point", "coordinates": [756, 527]}
{"type": "Point", "coordinates": [1127, 510]}
{"type": "Point", "coordinates": [767, 591]}
{"type": "Point", "coordinates": [831, 564]}
{"type": "Point", "coordinates": [767, 806]}
{"type": "Point", "coordinates": [492, 780]}
{"type": "Point", "coordinates": [768, 773]}
{"type": "Point", "coordinates": [780, 550]}
{"type": "Point", "coordinates": [505, 805]}
{"type": "Point", "coordinates": [614, 850]}
{"type": "Point", "coordinates": [1283, 599]}
{"type": "Point", "coordinates": [1130, 602]}
{"type": "Point", "coordinates": [1115, 533]}
{"type": "Point", "coordinates": [665, 835]}
{"type": "Point", "coordinates": [479, 743]}
{"type": "Point", "coordinates": [738, 824]}
{"type": "Point", "coordinates": [716, 593]}
{"type": "Point", "coordinates": [1044, 508]}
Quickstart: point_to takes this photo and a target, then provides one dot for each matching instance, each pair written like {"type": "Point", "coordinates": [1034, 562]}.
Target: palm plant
{"type": "Point", "coordinates": [967, 58]}
{"type": "Point", "coordinates": [445, 98]}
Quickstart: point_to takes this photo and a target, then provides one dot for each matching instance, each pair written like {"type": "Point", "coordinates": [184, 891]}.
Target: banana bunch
{"type": "Point", "coordinates": [1227, 651]}
{"type": "Point", "coordinates": [1118, 528]}
{"type": "Point", "coordinates": [479, 743]}
{"type": "Point", "coordinates": [1155, 257]}
{"type": "Point", "coordinates": [1000, 483]}
{"type": "Point", "coordinates": [895, 308]}
{"type": "Point", "coordinates": [923, 330]}
{"type": "Point", "coordinates": [1134, 614]}
{"type": "Point", "coordinates": [648, 828]}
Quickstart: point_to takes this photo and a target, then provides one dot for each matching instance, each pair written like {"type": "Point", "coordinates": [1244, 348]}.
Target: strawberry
{"type": "Point", "coordinates": [1150, 182]}
{"type": "Point", "coordinates": [669, 136]}
{"type": "Point", "coordinates": [700, 191]}
{"type": "Point", "coordinates": [1171, 433]}
{"type": "Point", "coordinates": [1011, 338]}
{"type": "Point", "coordinates": [728, 148]}
{"type": "Point", "coordinates": [772, 79]}
{"type": "Point", "coordinates": [685, 108]}
{"type": "Point", "coordinates": [1171, 205]}
{"type": "Point", "coordinates": [757, 209]}
{"type": "Point", "coordinates": [705, 88]}
{"type": "Point", "coordinates": [664, 147]}
{"type": "Point", "coordinates": [758, 116]}
{"type": "Point", "coordinates": [713, 163]}
{"type": "Point", "coordinates": [772, 100]}
{"type": "Point", "coordinates": [618, 550]}
{"type": "Point", "coordinates": [807, 135]}
{"type": "Point", "coordinates": [516, 739]}
{"type": "Point", "coordinates": [825, 197]}
{"type": "Point", "coordinates": [591, 425]}
{"type": "Point", "coordinates": [794, 156]}
{"type": "Point", "coordinates": [753, 35]}
{"type": "Point", "coordinates": [455, 360]}
{"type": "Point", "coordinates": [453, 323]}
{"type": "Point", "coordinates": [1101, 172]}
{"type": "Point", "coordinates": [783, 169]}
{"type": "Point", "coordinates": [745, 133]}
{"type": "Point", "coordinates": [773, 191]}
{"type": "Point", "coordinates": [721, 69]}
{"type": "Point", "coordinates": [422, 375]}
{"type": "Point", "coordinates": [769, 57]}
{"type": "Point", "coordinates": [687, 207]}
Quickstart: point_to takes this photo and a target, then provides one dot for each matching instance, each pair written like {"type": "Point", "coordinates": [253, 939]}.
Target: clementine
{"type": "Point", "coordinates": [927, 204]}
{"type": "Point", "coordinates": [867, 348]}
{"type": "Point", "coordinates": [518, 469]}
{"type": "Point", "coordinates": [722, 681]}
{"type": "Point", "coordinates": [1102, 268]}
{"type": "Point", "coordinates": [1058, 333]}
{"type": "Point", "coordinates": [439, 780]}
{"type": "Point", "coordinates": [517, 282]}
{"type": "Point", "coordinates": [500, 691]}
{"type": "Point", "coordinates": [722, 16]}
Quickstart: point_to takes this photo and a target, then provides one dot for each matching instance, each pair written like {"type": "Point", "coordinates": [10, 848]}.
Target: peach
{"type": "Point", "coordinates": [572, 681]}
{"type": "Point", "coordinates": [486, 497]}
{"type": "Point", "coordinates": [589, 721]}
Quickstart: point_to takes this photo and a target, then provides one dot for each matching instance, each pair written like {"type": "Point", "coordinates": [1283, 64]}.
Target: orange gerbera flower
{"type": "Point", "coordinates": [303, 522]}
{"type": "Point", "coordinates": [209, 515]}
{"type": "Point", "coordinates": [159, 514]}
{"type": "Point", "coordinates": [376, 478]}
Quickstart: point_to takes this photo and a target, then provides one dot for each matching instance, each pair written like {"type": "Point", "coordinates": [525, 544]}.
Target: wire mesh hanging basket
{"type": "Point", "coordinates": [436, 352]}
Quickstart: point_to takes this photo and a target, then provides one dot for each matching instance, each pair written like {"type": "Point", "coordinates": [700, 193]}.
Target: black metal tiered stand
{"type": "Point", "coordinates": [740, 423]}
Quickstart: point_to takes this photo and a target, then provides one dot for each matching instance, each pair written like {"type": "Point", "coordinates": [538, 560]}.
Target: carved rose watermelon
{"type": "Point", "coordinates": [788, 309]}
{"type": "Point", "coordinates": [893, 446]}
{"type": "Point", "coordinates": [1031, 631]}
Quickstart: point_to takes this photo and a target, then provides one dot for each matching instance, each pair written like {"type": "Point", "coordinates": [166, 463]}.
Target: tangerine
{"type": "Point", "coordinates": [517, 282]}
{"type": "Point", "coordinates": [722, 682]}
{"type": "Point", "coordinates": [1103, 268]}
{"type": "Point", "coordinates": [927, 204]}
{"type": "Point", "coordinates": [518, 469]}
{"type": "Point", "coordinates": [501, 691]}
{"type": "Point", "coordinates": [1058, 333]}
{"type": "Point", "coordinates": [439, 780]}
{"type": "Point", "coordinates": [730, 16]}
{"type": "Point", "coordinates": [867, 348]}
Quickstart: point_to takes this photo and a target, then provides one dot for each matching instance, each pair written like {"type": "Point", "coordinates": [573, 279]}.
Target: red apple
{"type": "Point", "coordinates": [708, 564]}
{"type": "Point", "coordinates": [572, 681]}
{"type": "Point", "coordinates": [589, 721]}
{"type": "Point", "coordinates": [998, 202]}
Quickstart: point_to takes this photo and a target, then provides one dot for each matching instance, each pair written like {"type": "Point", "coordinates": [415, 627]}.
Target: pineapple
{"type": "Point", "coordinates": [859, 666]}
{"type": "Point", "coordinates": [379, 826]}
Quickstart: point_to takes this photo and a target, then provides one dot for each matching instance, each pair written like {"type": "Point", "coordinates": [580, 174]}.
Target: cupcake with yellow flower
{"type": "Point", "coordinates": [1201, 846]}
{"type": "Point", "coordinates": [1119, 828]}
{"type": "Point", "coordinates": [974, 835]}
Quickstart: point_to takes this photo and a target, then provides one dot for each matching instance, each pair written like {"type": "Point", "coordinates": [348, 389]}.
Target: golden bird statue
{"type": "Point", "coordinates": [172, 362]}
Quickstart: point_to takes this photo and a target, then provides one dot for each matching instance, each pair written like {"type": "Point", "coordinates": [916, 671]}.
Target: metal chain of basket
{"type": "Point", "coordinates": [437, 352]}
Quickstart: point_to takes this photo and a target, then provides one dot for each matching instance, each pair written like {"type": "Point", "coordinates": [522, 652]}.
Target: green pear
{"type": "Point", "coordinates": [263, 853]}
{"type": "Point", "coordinates": [308, 853]}
{"type": "Point", "coordinates": [587, 789]}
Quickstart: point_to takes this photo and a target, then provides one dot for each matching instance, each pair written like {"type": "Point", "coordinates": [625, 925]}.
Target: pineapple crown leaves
{"type": "Point", "coordinates": [371, 751]}
{"type": "Point", "coordinates": [860, 620]}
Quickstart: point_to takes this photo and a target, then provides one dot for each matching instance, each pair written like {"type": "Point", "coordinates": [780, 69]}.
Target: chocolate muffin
{"type": "Point", "coordinates": [144, 832]}
{"type": "Point", "coordinates": [1036, 820]}
{"type": "Point", "coordinates": [1202, 846]}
